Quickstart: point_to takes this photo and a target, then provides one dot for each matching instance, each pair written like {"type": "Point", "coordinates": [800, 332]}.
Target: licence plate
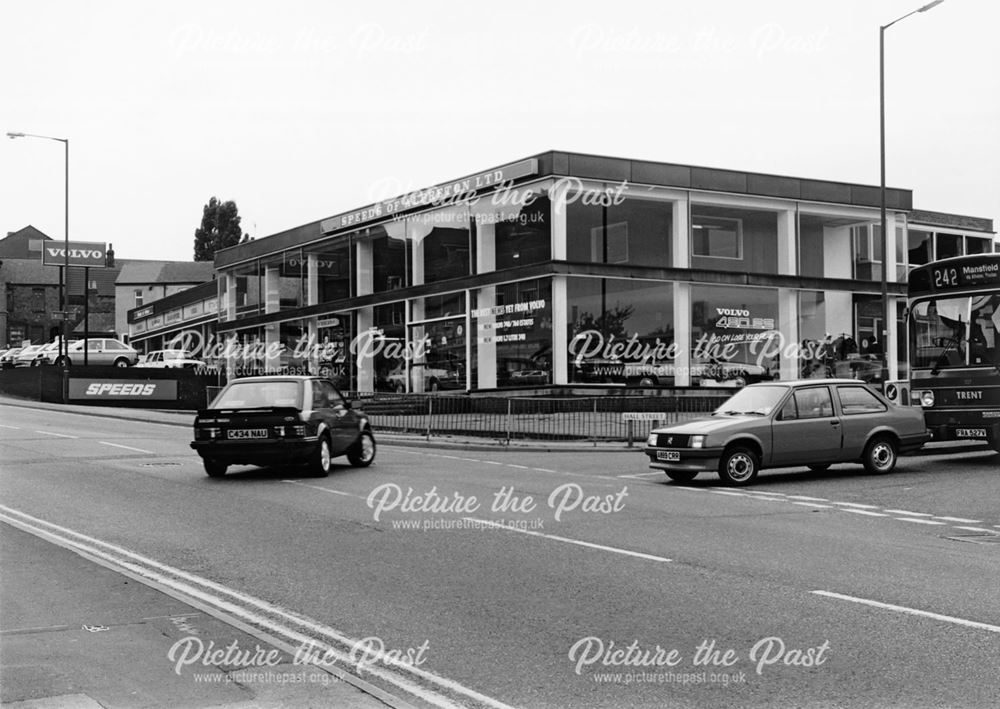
{"type": "Point", "coordinates": [674, 456]}
{"type": "Point", "coordinates": [970, 433]}
{"type": "Point", "coordinates": [241, 433]}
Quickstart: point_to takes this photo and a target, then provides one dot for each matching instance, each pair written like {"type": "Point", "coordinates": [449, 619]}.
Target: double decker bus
{"type": "Point", "coordinates": [954, 331]}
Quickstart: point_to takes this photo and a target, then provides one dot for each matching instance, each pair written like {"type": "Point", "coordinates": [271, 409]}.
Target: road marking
{"type": "Point", "coordinates": [855, 504]}
{"type": "Point", "coordinates": [167, 577]}
{"type": "Point", "coordinates": [959, 519]}
{"type": "Point", "coordinates": [16, 428]}
{"type": "Point", "coordinates": [814, 505]}
{"type": "Point", "coordinates": [640, 476]}
{"type": "Point", "coordinates": [728, 492]}
{"type": "Point", "coordinates": [761, 493]}
{"type": "Point", "coordinates": [325, 489]}
{"type": "Point", "coordinates": [545, 470]}
{"type": "Point", "coordinates": [51, 433]}
{"type": "Point", "coordinates": [807, 499]}
{"type": "Point", "coordinates": [910, 514]}
{"type": "Point", "coordinates": [118, 445]}
{"type": "Point", "coordinates": [567, 540]}
{"type": "Point", "coordinates": [917, 520]}
{"type": "Point", "coordinates": [910, 611]}
{"type": "Point", "coordinates": [976, 529]}
{"type": "Point", "coordinates": [864, 512]}
{"type": "Point", "coordinates": [522, 467]}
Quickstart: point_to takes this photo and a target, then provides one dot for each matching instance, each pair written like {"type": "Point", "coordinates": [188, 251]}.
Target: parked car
{"type": "Point", "coordinates": [810, 422]}
{"type": "Point", "coordinates": [102, 350]}
{"type": "Point", "coordinates": [529, 377]}
{"type": "Point", "coordinates": [48, 354]}
{"type": "Point", "coordinates": [8, 358]}
{"type": "Point", "coordinates": [28, 354]}
{"type": "Point", "coordinates": [281, 419]}
{"type": "Point", "coordinates": [169, 359]}
{"type": "Point", "coordinates": [435, 377]}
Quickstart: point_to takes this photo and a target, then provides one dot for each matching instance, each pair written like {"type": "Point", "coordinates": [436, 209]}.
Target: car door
{"type": "Point", "coordinates": [806, 429]}
{"type": "Point", "coordinates": [344, 429]}
{"type": "Point", "coordinates": [861, 412]}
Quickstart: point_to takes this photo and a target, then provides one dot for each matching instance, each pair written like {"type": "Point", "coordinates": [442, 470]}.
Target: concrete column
{"type": "Point", "coordinates": [486, 250]}
{"type": "Point", "coordinates": [682, 326]}
{"type": "Point", "coordinates": [788, 326]}
{"type": "Point", "coordinates": [364, 367]}
{"type": "Point", "coordinates": [787, 243]}
{"type": "Point", "coordinates": [891, 343]}
{"type": "Point", "coordinates": [560, 326]}
{"type": "Point", "coordinates": [681, 241]}
{"type": "Point", "coordinates": [312, 279]}
{"type": "Point", "coordinates": [228, 306]}
{"type": "Point", "coordinates": [557, 198]}
{"type": "Point", "coordinates": [272, 289]}
{"type": "Point", "coordinates": [486, 346]}
{"type": "Point", "coordinates": [364, 273]}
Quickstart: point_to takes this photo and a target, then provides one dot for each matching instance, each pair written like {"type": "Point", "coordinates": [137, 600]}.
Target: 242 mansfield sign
{"type": "Point", "coordinates": [119, 389]}
{"type": "Point", "coordinates": [81, 253]}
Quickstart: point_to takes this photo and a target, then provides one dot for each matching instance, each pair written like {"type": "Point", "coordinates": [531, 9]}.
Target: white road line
{"type": "Point", "coordinates": [976, 529]}
{"type": "Point", "coordinates": [492, 462]}
{"type": "Point", "coordinates": [910, 514]}
{"type": "Point", "coordinates": [910, 611]}
{"type": "Point", "coordinates": [917, 520]}
{"type": "Point", "coordinates": [814, 505]}
{"type": "Point", "coordinates": [16, 428]}
{"type": "Point", "coordinates": [863, 512]}
{"type": "Point", "coordinates": [51, 433]}
{"type": "Point", "coordinates": [807, 499]}
{"type": "Point", "coordinates": [545, 470]}
{"type": "Point", "coordinates": [728, 492]}
{"type": "Point", "coordinates": [855, 504]}
{"type": "Point", "coordinates": [167, 576]}
{"type": "Point", "coordinates": [762, 493]}
{"type": "Point", "coordinates": [567, 540]}
{"type": "Point", "coordinates": [641, 475]}
{"type": "Point", "coordinates": [521, 467]}
{"type": "Point", "coordinates": [118, 445]}
{"type": "Point", "coordinates": [959, 519]}
{"type": "Point", "coordinates": [325, 489]}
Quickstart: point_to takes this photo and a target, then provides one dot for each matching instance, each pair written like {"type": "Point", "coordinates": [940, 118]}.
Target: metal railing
{"type": "Point", "coordinates": [546, 418]}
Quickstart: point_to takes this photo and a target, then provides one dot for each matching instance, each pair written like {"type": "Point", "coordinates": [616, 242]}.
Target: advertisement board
{"type": "Point", "coordinates": [93, 389]}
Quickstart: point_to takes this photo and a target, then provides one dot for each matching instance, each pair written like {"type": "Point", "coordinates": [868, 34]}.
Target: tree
{"type": "Point", "coordinates": [220, 227]}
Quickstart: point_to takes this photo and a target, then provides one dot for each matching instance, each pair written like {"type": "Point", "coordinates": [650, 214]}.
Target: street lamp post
{"type": "Point", "coordinates": [64, 275]}
{"type": "Point", "coordinates": [886, 309]}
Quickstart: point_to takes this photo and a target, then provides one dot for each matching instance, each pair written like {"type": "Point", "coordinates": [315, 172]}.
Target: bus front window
{"type": "Point", "coordinates": [938, 333]}
{"type": "Point", "coordinates": [984, 324]}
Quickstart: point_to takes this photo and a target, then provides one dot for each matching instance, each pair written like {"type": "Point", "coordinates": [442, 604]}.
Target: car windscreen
{"type": "Point", "coordinates": [754, 400]}
{"type": "Point", "coordinates": [244, 395]}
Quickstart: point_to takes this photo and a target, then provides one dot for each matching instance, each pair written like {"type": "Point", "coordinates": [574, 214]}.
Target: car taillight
{"type": "Point", "coordinates": [209, 432]}
{"type": "Point", "coordinates": [292, 431]}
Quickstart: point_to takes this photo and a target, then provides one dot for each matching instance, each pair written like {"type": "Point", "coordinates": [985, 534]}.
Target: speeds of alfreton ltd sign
{"type": "Point", "coordinates": [81, 253]}
{"type": "Point", "coordinates": [130, 389]}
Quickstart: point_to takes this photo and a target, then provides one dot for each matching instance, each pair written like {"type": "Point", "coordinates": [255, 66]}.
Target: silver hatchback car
{"type": "Point", "coordinates": [811, 422]}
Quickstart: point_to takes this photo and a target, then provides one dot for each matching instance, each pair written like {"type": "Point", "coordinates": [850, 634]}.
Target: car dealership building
{"type": "Point", "coordinates": [570, 269]}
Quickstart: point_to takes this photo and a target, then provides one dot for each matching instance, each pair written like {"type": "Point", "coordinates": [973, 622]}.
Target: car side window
{"type": "Point", "coordinates": [814, 403]}
{"type": "Point", "coordinates": [321, 399]}
{"type": "Point", "coordinates": [858, 400]}
{"type": "Point", "coordinates": [789, 412]}
{"type": "Point", "coordinates": [333, 396]}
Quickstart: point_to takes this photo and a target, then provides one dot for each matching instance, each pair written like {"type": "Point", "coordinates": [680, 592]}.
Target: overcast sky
{"type": "Point", "coordinates": [301, 110]}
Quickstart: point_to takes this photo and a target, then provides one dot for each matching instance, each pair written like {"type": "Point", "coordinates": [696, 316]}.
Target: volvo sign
{"type": "Point", "coordinates": [81, 253]}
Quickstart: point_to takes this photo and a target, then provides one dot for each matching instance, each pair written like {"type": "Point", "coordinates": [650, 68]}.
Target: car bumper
{"type": "Point", "coordinates": [269, 452]}
{"type": "Point", "coordinates": [691, 459]}
{"type": "Point", "coordinates": [913, 443]}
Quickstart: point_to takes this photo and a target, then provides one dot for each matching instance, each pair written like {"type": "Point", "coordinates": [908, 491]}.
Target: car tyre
{"type": "Point", "coordinates": [682, 476]}
{"type": "Point", "coordinates": [214, 468]}
{"type": "Point", "coordinates": [121, 362]}
{"type": "Point", "coordinates": [64, 361]}
{"type": "Point", "coordinates": [362, 453]}
{"type": "Point", "coordinates": [880, 455]}
{"type": "Point", "coordinates": [739, 466]}
{"type": "Point", "coordinates": [321, 459]}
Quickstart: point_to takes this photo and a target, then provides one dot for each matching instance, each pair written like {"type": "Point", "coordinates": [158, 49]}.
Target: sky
{"type": "Point", "coordinates": [301, 110]}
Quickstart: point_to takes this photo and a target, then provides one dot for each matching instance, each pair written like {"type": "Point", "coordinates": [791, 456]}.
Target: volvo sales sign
{"type": "Point", "coordinates": [81, 253]}
{"type": "Point", "coordinates": [122, 389]}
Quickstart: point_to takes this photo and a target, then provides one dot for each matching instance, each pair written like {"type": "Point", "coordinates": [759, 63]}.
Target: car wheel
{"type": "Point", "coordinates": [647, 382]}
{"type": "Point", "coordinates": [362, 453]}
{"type": "Point", "coordinates": [214, 468]}
{"type": "Point", "coordinates": [36, 363]}
{"type": "Point", "coordinates": [63, 361]}
{"type": "Point", "coordinates": [121, 362]}
{"type": "Point", "coordinates": [738, 466]}
{"type": "Point", "coordinates": [880, 455]}
{"type": "Point", "coordinates": [819, 467]}
{"type": "Point", "coordinates": [682, 476]}
{"type": "Point", "coordinates": [319, 462]}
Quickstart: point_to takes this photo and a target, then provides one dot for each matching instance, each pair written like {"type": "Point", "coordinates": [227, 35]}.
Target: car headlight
{"type": "Point", "coordinates": [697, 441]}
{"type": "Point", "coordinates": [651, 441]}
{"type": "Point", "coordinates": [927, 398]}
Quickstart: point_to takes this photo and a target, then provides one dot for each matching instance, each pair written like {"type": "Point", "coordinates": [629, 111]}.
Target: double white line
{"type": "Point", "coordinates": [290, 630]}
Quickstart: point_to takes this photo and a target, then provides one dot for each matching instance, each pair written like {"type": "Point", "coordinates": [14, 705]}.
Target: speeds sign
{"type": "Point", "coordinates": [123, 389]}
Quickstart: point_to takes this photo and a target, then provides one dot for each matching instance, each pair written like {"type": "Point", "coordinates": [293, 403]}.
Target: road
{"type": "Point", "coordinates": [555, 579]}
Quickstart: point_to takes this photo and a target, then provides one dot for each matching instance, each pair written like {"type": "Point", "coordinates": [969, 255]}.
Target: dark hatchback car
{"type": "Point", "coordinates": [810, 422]}
{"type": "Point", "coordinates": [281, 419]}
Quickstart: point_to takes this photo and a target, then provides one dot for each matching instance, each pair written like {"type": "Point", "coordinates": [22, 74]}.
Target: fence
{"type": "Point", "coordinates": [537, 418]}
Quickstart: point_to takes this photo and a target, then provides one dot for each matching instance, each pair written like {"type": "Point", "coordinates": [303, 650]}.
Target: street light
{"type": "Point", "coordinates": [65, 270]}
{"type": "Point", "coordinates": [886, 312]}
